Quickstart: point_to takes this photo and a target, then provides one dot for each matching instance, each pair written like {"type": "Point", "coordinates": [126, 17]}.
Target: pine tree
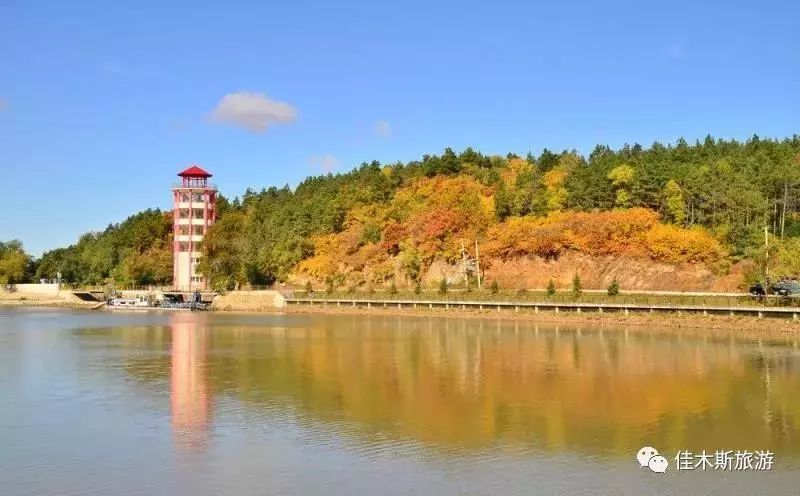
{"type": "Point", "coordinates": [551, 288]}
{"type": "Point", "coordinates": [577, 286]}
{"type": "Point", "coordinates": [494, 288]}
{"type": "Point", "coordinates": [443, 286]}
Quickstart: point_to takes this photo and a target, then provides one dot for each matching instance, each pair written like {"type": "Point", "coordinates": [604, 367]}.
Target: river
{"type": "Point", "coordinates": [205, 404]}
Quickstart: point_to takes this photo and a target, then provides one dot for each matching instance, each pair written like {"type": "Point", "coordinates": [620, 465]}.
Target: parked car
{"type": "Point", "coordinates": [757, 289]}
{"type": "Point", "coordinates": [786, 287]}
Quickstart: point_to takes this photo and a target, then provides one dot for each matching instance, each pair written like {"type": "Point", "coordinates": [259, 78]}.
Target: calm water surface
{"type": "Point", "coordinates": [204, 404]}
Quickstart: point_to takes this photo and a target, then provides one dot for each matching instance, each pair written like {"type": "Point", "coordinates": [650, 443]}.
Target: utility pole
{"type": "Point", "coordinates": [464, 264]}
{"type": "Point", "coordinates": [478, 262]}
{"type": "Point", "coordinates": [766, 255]}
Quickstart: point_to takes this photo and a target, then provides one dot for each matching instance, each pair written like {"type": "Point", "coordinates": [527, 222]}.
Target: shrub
{"type": "Point", "coordinates": [551, 288]}
{"type": "Point", "coordinates": [494, 288]}
{"type": "Point", "coordinates": [613, 288]}
{"type": "Point", "coordinates": [577, 286]}
{"type": "Point", "coordinates": [393, 289]}
{"type": "Point", "coordinates": [443, 286]}
{"type": "Point", "coordinates": [309, 288]}
{"type": "Point", "coordinates": [674, 245]}
{"type": "Point", "coordinates": [417, 288]}
{"type": "Point", "coordinates": [331, 287]}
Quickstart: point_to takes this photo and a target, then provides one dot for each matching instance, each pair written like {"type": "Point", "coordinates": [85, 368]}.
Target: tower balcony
{"type": "Point", "coordinates": [192, 222]}
{"type": "Point", "coordinates": [194, 238]}
{"type": "Point", "coordinates": [199, 187]}
{"type": "Point", "coordinates": [194, 205]}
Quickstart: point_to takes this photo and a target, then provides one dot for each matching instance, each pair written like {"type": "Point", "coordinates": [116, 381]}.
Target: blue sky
{"type": "Point", "coordinates": [102, 103]}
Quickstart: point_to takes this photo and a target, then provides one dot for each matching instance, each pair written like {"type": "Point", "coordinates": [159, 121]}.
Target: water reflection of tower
{"type": "Point", "coordinates": [190, 394]}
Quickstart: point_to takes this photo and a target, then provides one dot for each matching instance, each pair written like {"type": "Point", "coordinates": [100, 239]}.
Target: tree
{"type": "Point", "coordinates": [674, 204]}
{"type": "Point", "coordinates": [417, 288]}
{"type": "Point", "coordinates": [551, 288]}
{"type": "Point", "coordinates": [577, 286]}
{"type": "Point", "coordinates": [225, 252]}
{"type": "Point", "coordinates": [494, 288]}
{"type": "Point", "coordinates": [443, 286]}
{"type": "Point", "coordinates": [309, 288]}
{"type": "Point", "coordinates": [622, 178]}
{"type": "Point", "coordinates": [613, 288]}
{"type": "Point", "coordinates": [13, 262]}
{"type": "Point", "coordinates": [393, 289]}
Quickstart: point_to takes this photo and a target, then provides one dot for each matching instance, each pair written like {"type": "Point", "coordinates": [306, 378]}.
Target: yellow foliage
{"type": "Point", "coordinates": [555, 192]}
{"type": "Point", "coordinates": [324, 262]}
{"type": "Point", "coordinates": [554, 179]}
{"type": "Point", "coordinates": [632, 232]}
{"type": "Point", "coordinates": [674, 244]}
{"type": "Point", "coordinates": [514, 168]}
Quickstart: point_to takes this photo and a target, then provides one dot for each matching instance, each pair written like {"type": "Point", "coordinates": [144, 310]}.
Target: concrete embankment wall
{"type": "Point", "coordinates": [249, 301]}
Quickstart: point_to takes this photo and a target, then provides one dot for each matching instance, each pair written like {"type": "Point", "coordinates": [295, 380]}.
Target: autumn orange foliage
{"type": "Point", "coordinates": [430, 218]}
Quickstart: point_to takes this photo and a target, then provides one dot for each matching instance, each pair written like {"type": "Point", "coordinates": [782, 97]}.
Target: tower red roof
{"type": "Point", "coordinates": [194, 171]}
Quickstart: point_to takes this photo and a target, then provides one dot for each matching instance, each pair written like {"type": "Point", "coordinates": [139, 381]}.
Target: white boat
{"type": "Point", "coordinates": [137, 302]}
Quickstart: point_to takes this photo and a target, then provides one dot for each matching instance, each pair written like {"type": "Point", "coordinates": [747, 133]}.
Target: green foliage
{"type": "Point", "coordinates": [613, 288]}
{"type": "Point", "coordinates": [577, 286]}
{"type": "Point", "coordinates": [551, 288]}
{"type": "Point", "coordinates": [674, 203]}
{"type": "Point", "coordinates": [14, 262]}
{"type": "Point", "coordinates": [412, 263]}
{"type": "Point", "coordinates": [417, 288]}
{"type": "Point", "coordinates": [785, 262]}
{"type": "Point", "coordinates": [136, 251]}
{"type": "Point", "coordinates": [494, 288]}
{"type": "Point", "coordinates": [443, 286]}
{"type": "Point", "coordinates": [330, 286]}
{"type": "Point", "coordinates": [393, 289]}
{"type": "Point", "coordinates": [225, 247]}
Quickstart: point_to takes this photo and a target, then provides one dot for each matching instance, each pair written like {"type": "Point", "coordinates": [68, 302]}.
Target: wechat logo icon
{"type": "Point", "coordinates": [649, 457]}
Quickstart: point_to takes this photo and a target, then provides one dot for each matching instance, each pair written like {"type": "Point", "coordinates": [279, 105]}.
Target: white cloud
{"type": "Point", "coordinates": [325, 162]}
{"type": "Point", "coordinates": [382, 128]}
{"type": "Point", "coordinates": [253, 111]}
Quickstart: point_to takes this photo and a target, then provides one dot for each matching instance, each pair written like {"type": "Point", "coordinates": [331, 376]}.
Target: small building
{"type": "Point", "coordinates": [194, 211]}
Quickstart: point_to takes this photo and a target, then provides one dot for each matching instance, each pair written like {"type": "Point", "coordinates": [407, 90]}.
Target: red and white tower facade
{"type": "Point", "coordinates": [194, 200]}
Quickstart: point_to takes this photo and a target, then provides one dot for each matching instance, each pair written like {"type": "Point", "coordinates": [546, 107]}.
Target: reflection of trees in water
{"type": "Point", "coordinates": [474, 383]}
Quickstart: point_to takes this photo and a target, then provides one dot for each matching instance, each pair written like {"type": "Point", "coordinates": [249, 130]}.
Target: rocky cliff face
{"type": "Point", "coordinates": [597, 273]}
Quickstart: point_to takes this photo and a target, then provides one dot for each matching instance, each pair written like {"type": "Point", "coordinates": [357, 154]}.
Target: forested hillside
{"type": "Point", "coordinates": [136, 251]}
{"type": "Point", "coordinates": [706, 203]}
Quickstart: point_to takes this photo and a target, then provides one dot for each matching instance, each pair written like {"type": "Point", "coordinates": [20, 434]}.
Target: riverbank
{"type": "Point", "coordinates": [17, 299]}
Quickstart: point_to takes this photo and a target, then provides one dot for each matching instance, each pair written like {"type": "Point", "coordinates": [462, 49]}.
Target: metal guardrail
{"type": "Point", "coordinates": [576, 307]}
